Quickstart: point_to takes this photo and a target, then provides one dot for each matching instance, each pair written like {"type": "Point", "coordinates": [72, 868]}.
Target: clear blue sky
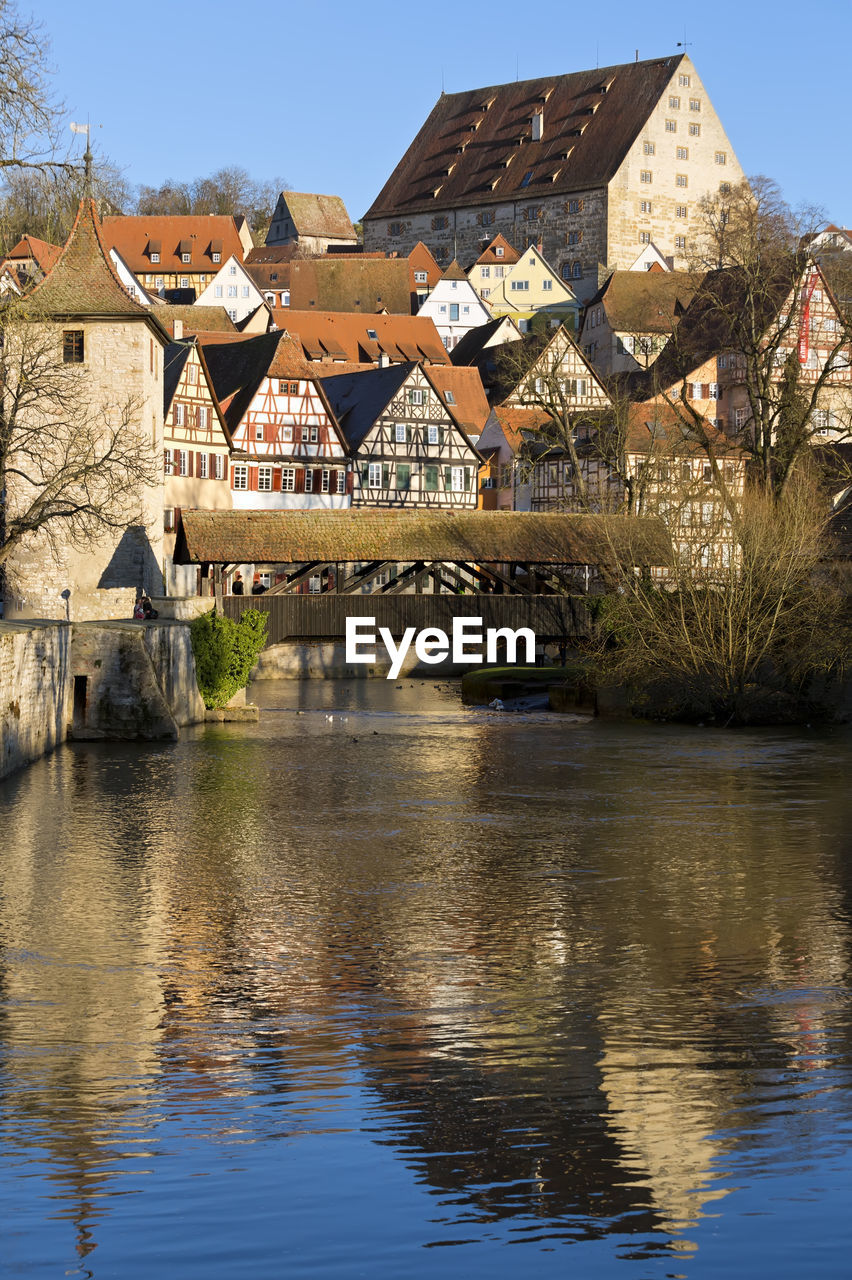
{"type": "Point", "coordinates": [328, 96]}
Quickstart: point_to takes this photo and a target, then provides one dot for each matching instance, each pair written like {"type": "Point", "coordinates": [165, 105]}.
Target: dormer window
{"type": "Point", "coordinates": [498, 251]}
{"type": "Point", "coordinates": [155, 257]}
{"type": "Point", "coordinates": [185, 251]}
{"type": "Point", "coordinates": [186, 258]}
{"type": "Point", "coordinates": [217, 257]}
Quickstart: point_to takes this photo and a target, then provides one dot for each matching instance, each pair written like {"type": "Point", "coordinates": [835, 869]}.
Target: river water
{"type": "Point", "coordinates": [398, 988]}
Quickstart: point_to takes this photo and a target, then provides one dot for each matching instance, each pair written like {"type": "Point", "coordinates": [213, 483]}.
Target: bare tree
{"type": "Point", "coordinates": [68, 471]}
{"type": "Point", "coordinates": [44, 203]}
{"type": "Point", "coordinates": [230, 190]}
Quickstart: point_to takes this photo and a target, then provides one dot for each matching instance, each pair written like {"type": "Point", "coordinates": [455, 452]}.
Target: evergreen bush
{"type": "Point", "coordinates": [225, 652]}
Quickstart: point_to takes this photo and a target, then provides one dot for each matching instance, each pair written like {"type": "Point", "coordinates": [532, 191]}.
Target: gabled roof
{"type": "Point", "coordinates": [315, 215]}
{"type": "Point", "coordinates": [646, 301]}
{"type": "Point", "coordinates": [490, 255]}
{"type": "Point", "coordinates": [515, 421]}
{"type": "Point", "coordinates": [358, 399]}
{"type": "Point", "coordinates": [654, 427]}
{"type": "Point", "coordinates": [175, 357]}
{"type": "Point", "coordinates": [268, 253]}
{"type": "Point", "coordinates": [345, 335]}
{"type": "Point", "coordinates": [238, 368]}
{"type": "Point", "coordinates": [43, 253]}
{"type": "Point", "coordinates": [338, 283]}
{"type": "Point", "coordinates": [590, 121]}
{"type": "Point", "coordinates": [454, 272]}
{"type": "Point", "coordinates": [201, 235]}
{"type": "Point", "coordinates": [84, 283]}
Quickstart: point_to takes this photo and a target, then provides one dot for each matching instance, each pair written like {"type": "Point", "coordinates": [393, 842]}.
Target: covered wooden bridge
{"type": "Point", "coordinates": [416, 568]}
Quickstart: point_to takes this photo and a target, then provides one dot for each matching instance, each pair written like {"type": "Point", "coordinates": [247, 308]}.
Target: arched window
{"type": "Point", "coordinates": [576, 271]}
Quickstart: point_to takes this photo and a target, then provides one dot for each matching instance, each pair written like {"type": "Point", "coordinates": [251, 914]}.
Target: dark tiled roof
{"type": "Point", "coordinates": [358, 399]}
{"type": "Point", "coordinates": [488, 537]}
{"type": "Point", "coordinates": [469, 349]}
{"type": "Point", "coordinates": [175, 357]}
{"type": "Point", "coordinates": [461, 150]}
{"type": "Point", "coordinates": [238, 368]}
{"type": "Point", "coordinates": [362, 284]}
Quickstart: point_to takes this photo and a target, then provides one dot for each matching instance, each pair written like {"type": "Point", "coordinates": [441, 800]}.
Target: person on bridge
{"type": "Point", "coordinates": [237, 584]}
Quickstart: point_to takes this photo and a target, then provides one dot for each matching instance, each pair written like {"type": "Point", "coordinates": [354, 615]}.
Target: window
{"type": "Point", "coordinates": [285, 297]}
{"type": "Point", "coordinates": [459, 478]}
{"type": "Point", "coordinates": [421, 277]}
{"type": "Point", "coordinates": [217, 257]}
{"type": "Point", "coordinates": [644, 237]}
{"type": "Point", "coordinates": [232, 270]}
{"type": "Point", "coordinates": [721, 157]}
{"type": "Point", "coordinates": [574, 206]}
{"type": "Point", "coordinates": [309, 481]}
{"type": "Point", "coordinates": [184, 282]}
{"type": "Point", "coordinates": [674, 103]}
{"type": "Point", "coordinates": [681, 180]}
{"type": "Point", "coordinates": [546, 285]}
{"type": "Point", "coordinates": [232, 291]}
{"type": "Point", "coordinates": [288, 479]}
{"type": "Point", "coordinates": [72, 346]}
{"type": "Point", "coordinates": [485, 293]}
{"type": "Point", "coordinates": [644, 206]}
{"type": "Point", "coordinates": [724, 188]}
{"type": "Point", "coordinates": [159, 282]}
{"type": "Point", "coordinates": [240, 476]}
{"type": "Point", "coordinates": [680, 211]}
{"type": "Point", "coordinates": [245, 291]}
{"type": "Point", "coordinates": [454, 311]}
{"type": "Point", "coordinates": [186, 258]}
{"type": "Point", "coordinates": [293, 388]}
{"type": "Point", "coordinates": [695, 104]}
{"type": "Point", "coordinates": [400, 433]}
{"type": "Point", "coordinates": [201, 465]}
{"type": "Point", "coordinates": [183, 462]}
{"type": "Point", "coordinates": [682, 153]}
{"type": "Point", "coordinates": [449, 397]}
{"type": "Point", "coordinates": [648, 148]}
{"type": "Point", "coordinates": [525, 180]}
{"type": "Point", "coordinates": [645, 175]}
{"type": "Point", "coordinates": [314, 435]}
{"type": "Point", "coordinates": [286, 434]}
{"type": "Point", "coordinates": [695, 130]}
{"type": "Point", "coordinates": [258, 431]}
{"type": "Point", "coordinates": [415, 395]}
{"type": "Point", "coordinates": [440, 223]}
{"type": "Point", "coordinates": [394, 228]}
{"type": "Point", "coordinates": [403, 476]}
{"type": "Point", "coordinates": [574, 237]}
{"type": "Point", "coordinates": [576, 270]}
{"type": "Point", "coordinates": [341, 481]}
{"type": "Point", "coordinates": [714, 391]}
{"type": "Point", "coordinates": [232, 312]}
{"type": "Point", "coordinates": [168, 466]}
{"type": "Point", "coordinates": [168, 518]}
{"type": "Point", "coordinates": [179, 415]}
{"type": "Point", "coordinates": [374, 475]}
{"type": "Point", "coordinates": [155, 257]}
{"type": "Point", "coordinates": [217, 290]}
{"type": "Point", "coordinates": [683, 81]}
{"type": "Point", "coordinates": [486, 217]}
{"type": "Point", "coordinates": [219, 466]}
{"type": "Point", "coordinates": [498, 252]}
{"type": "Point", "coordinates": [680, 242]}
{"type": "Point", "coordinates": [433, 435]}
{"type": "Point", "coordinates": [372, 335]}
{"type": "Point", "coordinates": [519, 286]}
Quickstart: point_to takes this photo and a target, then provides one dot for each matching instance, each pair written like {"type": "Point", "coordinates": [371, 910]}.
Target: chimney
{"type": "Point", "coordinates": [537, 126]}
{"type": "Point", "coordinates": [384, 360]}
{"type": "Point", "coordinates": [178, 330]}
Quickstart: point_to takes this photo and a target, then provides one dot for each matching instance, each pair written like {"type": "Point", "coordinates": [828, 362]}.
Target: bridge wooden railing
{"type": "Point", "coordinates": [551, 617]}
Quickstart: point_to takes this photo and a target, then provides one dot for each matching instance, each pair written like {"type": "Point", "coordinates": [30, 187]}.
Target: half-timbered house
{"type": "Point", "coordinates": [288, 450]}
{"type": "Point", "coordinates": [196, 449]}
{"type": "Point", "coordinates": [408, 446]}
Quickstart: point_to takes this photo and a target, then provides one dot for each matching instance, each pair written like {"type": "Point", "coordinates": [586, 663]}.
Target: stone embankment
{"type": "Point", "coordinates": [90, 680]}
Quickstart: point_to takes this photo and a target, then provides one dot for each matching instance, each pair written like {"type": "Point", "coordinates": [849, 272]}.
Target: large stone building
{"type": "Point", "coordinates": [591, 166]}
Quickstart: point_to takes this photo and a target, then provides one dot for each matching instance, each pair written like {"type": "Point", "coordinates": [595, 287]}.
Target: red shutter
{"type": "Point", "coordinates": [252, 471]}
{"type": "Point", "coordinates": [350, 482]}
{"type": "Point", "coordinates": [211, 466]}
{"type": "Point", "coordinates": [190, 462]}
{"type": "Point", "coordinates": [705, 391]}
{"type": "Point", "coordinates": [300, 480]}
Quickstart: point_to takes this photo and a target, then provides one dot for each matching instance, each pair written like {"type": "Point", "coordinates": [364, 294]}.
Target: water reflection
{"type": "Point", "coordinates": [579, 982]}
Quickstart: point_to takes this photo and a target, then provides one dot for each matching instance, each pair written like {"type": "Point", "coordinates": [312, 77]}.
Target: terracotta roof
{"type": "Point", "coordinates": [84, 282]}
{"type": "Point", "coordinates": [315, 215]}
{"type": "Point", "coordinates": [454, 272]}
{"type": "Point", "coordinates": [351, 283]}
{"type": "Point", "coordinates": [488, 537]}
{"type": "Point", "coordinates": [330, 335]}
{"type": "Point", "coordinates": [270, 275]}
{"type": "Point", "coordinates": [490, 255]}
{"type": "Point", "coordinates": [469, 404]}
{"type": "Point", "coordinates": [422, 259]}
{"type": "Point", "coordinates": [265, 253]}
{"type": "Point", "coordinates": [195, 319]}
{"type": "Point", "coordinates": [658, 427]}
{"type": "Point", "coordinates": [646, 301]}
{"type": "Point", "coordinates": [137, 237]}
{"type": "Point", "coordinates": [238, 368]}
{"type": "Point", "coordinates": [515, 421]}
{"type": "Point", "coordinates": [43, 253]}
{"type": "Point", "coordinates": [590, 121]}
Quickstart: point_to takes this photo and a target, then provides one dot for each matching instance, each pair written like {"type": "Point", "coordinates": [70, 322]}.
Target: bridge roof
{"type": "Point", "coordinates": [486, 537]}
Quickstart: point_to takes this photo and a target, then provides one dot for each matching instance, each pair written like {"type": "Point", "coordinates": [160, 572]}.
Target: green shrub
{"type": "Point", "coordinates": [225, 652]}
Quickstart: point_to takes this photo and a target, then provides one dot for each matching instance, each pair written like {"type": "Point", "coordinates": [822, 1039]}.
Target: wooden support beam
{"type": "Point", "coordinates": [412, 575]}
{"type": "Point", "coordinates": [295, 578]}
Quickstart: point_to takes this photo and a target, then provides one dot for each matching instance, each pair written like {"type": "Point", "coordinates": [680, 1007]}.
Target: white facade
{"type": "Point", "coordinates": [232, 288]}
{"type": "Point", "coordinates": [455, 308]}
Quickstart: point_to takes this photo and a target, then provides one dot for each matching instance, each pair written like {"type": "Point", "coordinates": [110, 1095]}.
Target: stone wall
{"type": "Point", "coordinates": [133, 680]}
{"type": "Point", "coordinates": [35, 691]}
